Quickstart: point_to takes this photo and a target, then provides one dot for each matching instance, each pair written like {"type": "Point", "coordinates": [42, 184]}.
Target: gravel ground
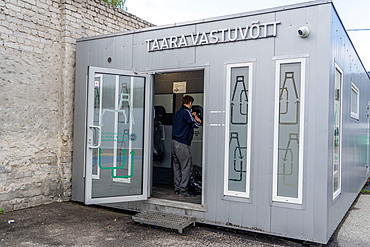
{"type": "Point", "coordinates": [355, 231]}
{"type": "Point", "coordinates": [73, 224]}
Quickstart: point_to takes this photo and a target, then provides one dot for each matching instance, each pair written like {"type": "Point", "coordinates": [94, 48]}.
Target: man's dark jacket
{"type": "Point", "coordinates": [183, 124]}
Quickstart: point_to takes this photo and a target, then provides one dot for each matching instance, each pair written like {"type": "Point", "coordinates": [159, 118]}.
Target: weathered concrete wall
{"type": "Point", "coordinates": [37, 61]}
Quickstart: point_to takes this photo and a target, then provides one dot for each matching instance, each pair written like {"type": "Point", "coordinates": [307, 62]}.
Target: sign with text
{"type": "Point", "coordinates": [255, 30]}
{"type": "Point", "coordinates": [179, 87]}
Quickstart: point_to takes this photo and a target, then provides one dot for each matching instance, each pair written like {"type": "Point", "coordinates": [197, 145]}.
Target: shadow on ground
{"type": "Point", "coordinates": [74, 224]}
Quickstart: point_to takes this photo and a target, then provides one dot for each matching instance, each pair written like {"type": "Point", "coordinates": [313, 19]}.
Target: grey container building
{"type": "Point", "coordinates": [284, 98]}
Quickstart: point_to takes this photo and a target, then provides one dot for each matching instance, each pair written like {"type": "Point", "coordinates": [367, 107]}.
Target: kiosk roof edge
{"type": "Point", "coordinates": [212, 19]}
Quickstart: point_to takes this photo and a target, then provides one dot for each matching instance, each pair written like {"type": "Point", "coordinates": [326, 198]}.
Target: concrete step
{"type": "Point", "coordinates": [166, 220]}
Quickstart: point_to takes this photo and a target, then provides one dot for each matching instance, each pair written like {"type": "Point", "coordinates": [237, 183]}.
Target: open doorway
{"type": "Point", "coordinates": [169, 88]}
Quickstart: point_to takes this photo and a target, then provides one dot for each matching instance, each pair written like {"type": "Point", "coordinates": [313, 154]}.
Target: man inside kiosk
{"type": "Point", "coordinates": [182, 135]}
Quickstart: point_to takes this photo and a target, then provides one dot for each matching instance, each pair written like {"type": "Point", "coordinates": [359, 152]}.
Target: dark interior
{"type": "Point", "coordinates": [166, 103]}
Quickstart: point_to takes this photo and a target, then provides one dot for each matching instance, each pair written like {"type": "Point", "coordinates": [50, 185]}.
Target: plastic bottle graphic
{"type": "Point", "coordinates": [288, 161]}
{"type": "Point", "coordinates": [237, 156]}
{"type": "Point", "coordinates": [289, 101]}
{"type": "Point", "coordinates": [239, 102]}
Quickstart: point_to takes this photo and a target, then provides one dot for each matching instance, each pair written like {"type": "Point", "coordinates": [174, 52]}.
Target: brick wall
{"type": "Point", "coordinates": [37, 62]}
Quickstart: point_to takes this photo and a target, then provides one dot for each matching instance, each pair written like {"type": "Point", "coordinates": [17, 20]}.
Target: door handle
{"type": "Point", "coordinates": [99, 135]}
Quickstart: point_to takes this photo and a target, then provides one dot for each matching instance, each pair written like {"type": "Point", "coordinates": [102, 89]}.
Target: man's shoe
{"type": "Point", "coordinates": [185, 194]}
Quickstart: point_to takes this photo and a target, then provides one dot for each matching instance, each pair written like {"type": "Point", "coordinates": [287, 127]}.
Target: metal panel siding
{"type": "Point", "coordinates": [120, 50]}
{"type": "Point", "coordinates": [295, 226]}
{"type": "Point", "coordinates": [170, 59]}
{"type": "Point", "coordinates": [101, 51]}
{"type": "Point", "coordinates": [221, 211]}
{"type": "Point", "coordinates": [279, 217]}
{"type": "Point", "coordinates": [262, 135]}
{"type": "Point", "coordinates": [124, 52]}
{"type": "Point", "coordinates": [353, 148]}
{"type": "Point", "coordinates": [79, 131]}
{"type": "Point", "coordinates": [301, 222]}
{"type": "Point", "coordinates": [93, 53]}
{"type": "Point", "coordinates": [287, 222]}
{"type": "Point", "coordinates": [241, 213]}
{"type": "Point", "coordinates": [319, 101]}
{"type": "Point", "coordinates": [111, 47]}
{"type": "Point", "coordinates": [213, 153]}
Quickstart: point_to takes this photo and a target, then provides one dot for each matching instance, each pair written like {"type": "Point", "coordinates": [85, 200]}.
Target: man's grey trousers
{"type": "Point", "coordinates": [182, 165]}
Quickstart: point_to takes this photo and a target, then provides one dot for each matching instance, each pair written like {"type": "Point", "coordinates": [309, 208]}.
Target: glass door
{"type": "Point", "coordinates": [117, 136]}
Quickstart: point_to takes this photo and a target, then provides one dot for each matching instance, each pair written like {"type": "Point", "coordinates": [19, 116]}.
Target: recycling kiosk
{"type": "Point", "coordinates": [284, 98]}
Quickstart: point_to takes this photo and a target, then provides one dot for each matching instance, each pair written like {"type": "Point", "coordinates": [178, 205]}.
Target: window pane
{"type": "Point", "coordinates": [288, 139]}
{"type": "Point", "coordinates": [354, 105]}
{"type": "Point", "coordinates": [238, 129]}
{"type": "Point", "coordinates": [353, 101]}
{"type": "Point", "coordinates": [337, 130]}
{"type": "Point", "coordinates": [119, 112]}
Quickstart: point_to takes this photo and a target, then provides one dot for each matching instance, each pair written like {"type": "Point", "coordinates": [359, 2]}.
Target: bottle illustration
{"type": "Point", "coordinates": [237, 158]}
{"type": "Point", "coordinates": [288, 162]}
{"type": "Point", "coordinates": [239, 102]}
{"type": "Point", "coordinates": [289, 101]}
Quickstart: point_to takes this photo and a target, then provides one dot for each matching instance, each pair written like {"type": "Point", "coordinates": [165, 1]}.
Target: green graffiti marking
{"type": "Point", "coordinates": [132, 167]}
{"type": "Point", "coordinates": [112, 167]}
{"type": "Point", "coordinates": [118, 137]}
{"type": "Point", "coordinates": [120, 167]}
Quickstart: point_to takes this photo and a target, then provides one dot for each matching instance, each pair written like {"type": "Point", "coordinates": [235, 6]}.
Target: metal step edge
{"type": "Point", "coordinates": [142, 218]}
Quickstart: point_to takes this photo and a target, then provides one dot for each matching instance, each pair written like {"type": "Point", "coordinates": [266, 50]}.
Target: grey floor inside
{"type": "Point", "coordinates": [167, 192]}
